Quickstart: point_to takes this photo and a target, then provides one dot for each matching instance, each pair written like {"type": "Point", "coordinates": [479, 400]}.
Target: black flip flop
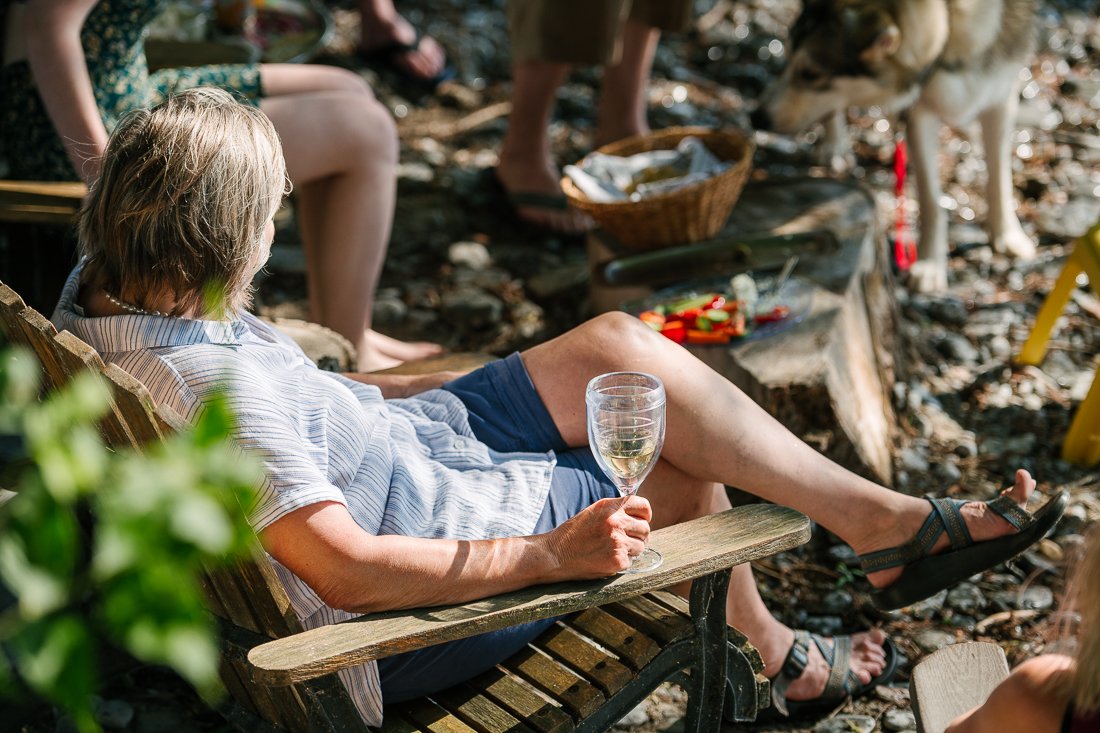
{"type": "Point", "coordinates": [925, 575]}
{"type": "Point", "coordinates": [386, 56]}
{"type": "Point", "coordinates": [553, 202]}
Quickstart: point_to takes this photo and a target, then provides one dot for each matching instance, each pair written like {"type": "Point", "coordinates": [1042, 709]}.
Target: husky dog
{"type": "Point", "coordinates": [947, 61]}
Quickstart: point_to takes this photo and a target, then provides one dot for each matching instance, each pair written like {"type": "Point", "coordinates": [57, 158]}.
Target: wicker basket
{"type": "Point", "coordinates": [686, 215]}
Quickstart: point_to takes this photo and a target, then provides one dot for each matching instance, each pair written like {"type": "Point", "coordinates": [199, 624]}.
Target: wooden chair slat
{"type": "Point", "coordinates": [632, 646]}
{"type": "Point", "coordinates": [234, 600]}
{"type": "Point", "coordinates": [135, 404]}
{"type": "Point", "coordinates": [427, 716]}
{"type": "Point", "coordinates": [577, 696]}
{"type": "Point", "coordinates": [653, 619]}
{"type": "Point", "coordinates": [595, 665]}
{"type": "Point", "coordinates": [75, 355]}
{"type": "Point", "coordinates": [33, 330]}
{"type": "Point", "coordinates": [396, 724]}
{"type": "Point", "coordinates": [521, 700]}
{"type": "Point", "coordinates": [234, 676]}
{"type": "Point", "coordinates": [478, 711]}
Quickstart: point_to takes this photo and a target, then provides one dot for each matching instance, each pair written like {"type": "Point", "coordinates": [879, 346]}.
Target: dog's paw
{"type": "Point", "coordinates": [928, 276]}
{"type": "Point", "coordinates": [1014, 243]}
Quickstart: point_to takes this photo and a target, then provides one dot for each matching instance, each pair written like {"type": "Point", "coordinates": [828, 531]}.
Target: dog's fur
{"type": "Point", "coordinates": [947, 61]}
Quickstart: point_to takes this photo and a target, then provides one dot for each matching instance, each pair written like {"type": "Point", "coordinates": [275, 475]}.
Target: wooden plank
{"type": "Point", "coordinates": [516, 696]}
{"type": "Point", "coordinates": [76, 355]}
{"type": "Point", "coordinates": [427, 716]}
{"type": "Point", "coordinates": [633, 647]}
{"type": "Point", "coordinates": [478, 711]}
{"type": "Point", "coordinates": [134, 403]}
{"type": "Point", "coordinates": [952, 680]}
{"type": "Point", "coordinates": [44, 202]}
{"type": "Point", "coordinates": [733, 537]}
{"type": "Point", "coordinates": [596, 665]}
{"type": "Point", "coordinates": [577, 696]}
{"type": "Point", "coordinates": [653, 619]}
{"type": "Point", "coordinates": [31, 329]}
{"type": "Point", "coordinates": [394, 723]}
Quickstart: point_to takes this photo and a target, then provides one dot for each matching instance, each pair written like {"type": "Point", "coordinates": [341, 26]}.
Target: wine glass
{"type": "Point", "coordinates": [626, 429]}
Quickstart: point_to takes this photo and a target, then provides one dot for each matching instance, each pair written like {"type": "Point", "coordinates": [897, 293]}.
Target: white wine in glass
{"type": "Point", "coordinates": [626, 429]}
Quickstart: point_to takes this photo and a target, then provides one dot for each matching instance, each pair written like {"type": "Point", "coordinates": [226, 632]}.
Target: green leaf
{"type": "Point", "coordinates": [202, 521]}
{"type": "Point", "coordinates": [57, 658]}
{"type": "Point", "coordinates": [39, 592]}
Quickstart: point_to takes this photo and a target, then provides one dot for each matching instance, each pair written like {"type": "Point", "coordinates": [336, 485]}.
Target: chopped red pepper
{"type": "Point", "coordinates": [778, 313]}
{"type": "Point", "coordinates": [674, 330]}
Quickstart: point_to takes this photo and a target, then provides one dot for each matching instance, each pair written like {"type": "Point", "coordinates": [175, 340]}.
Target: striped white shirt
{"type": "Point", "coordinates": [409, 467]}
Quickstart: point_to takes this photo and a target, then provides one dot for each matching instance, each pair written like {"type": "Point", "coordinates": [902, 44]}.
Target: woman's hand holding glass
{"type": "Point", "coordinates": [626, 430]}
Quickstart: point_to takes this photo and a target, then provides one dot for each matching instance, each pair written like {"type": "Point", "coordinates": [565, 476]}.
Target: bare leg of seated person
{"type": "Point", "coordinates": [340, 146]}
{"type": "Point", "coordinates": [717, 435]}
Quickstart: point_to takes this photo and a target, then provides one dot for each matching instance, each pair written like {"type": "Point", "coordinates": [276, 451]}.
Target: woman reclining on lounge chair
{"type": "Point", "coordinates": [390, 492]}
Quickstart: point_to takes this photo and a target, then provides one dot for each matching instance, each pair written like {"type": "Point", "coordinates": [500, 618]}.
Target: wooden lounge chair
{"type": "Point", "coordinates": [617, 639]}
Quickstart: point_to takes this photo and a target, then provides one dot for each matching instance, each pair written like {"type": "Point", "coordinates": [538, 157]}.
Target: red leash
{"type": "Point", "coordinates": [905, 249]}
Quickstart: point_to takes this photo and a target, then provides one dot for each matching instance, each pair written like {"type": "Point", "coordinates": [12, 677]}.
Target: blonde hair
{"type": "Point", "coordinates": [1084, 598]}
{"type": "Point", "coordinates": [185, 191]}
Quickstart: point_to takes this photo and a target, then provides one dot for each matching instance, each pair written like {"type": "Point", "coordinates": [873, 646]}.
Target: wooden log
{"type": "Point", "coordinates": [829, 377]}
{"type": "Point", "coordinates": [952, 680]}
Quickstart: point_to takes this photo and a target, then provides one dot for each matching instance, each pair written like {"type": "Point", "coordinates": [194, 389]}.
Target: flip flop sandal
{"type": "Point", "coordinates": [841, 685]}
{"type": "Point", "coordinates": [552, 202]}
{"type": "Point", "coordinates": [925, 575]}
{"type": "Point", "coordinates": [387, 56]}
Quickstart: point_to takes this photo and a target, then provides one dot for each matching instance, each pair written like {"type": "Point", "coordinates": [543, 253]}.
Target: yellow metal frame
{"type": "Point", "coordinates": [1082, 443]}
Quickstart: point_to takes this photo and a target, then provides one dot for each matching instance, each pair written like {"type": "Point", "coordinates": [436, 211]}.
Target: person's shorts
{"type": "Point", "coordinates": [507, 414]}
{"type": "Point", "coordinates": [586, 31]}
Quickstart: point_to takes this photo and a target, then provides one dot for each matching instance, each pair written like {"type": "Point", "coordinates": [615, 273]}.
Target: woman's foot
{"type": "Point", "coordinates": [530, 179]}
{"type": "Point", "coordinates": [379, 351]}
{"type": "Point", "coordinates": [868, 660]}
{"type": "Point", "coordinates": [422, 60]}
{"type": "Point", "coordinates": [982, 523]}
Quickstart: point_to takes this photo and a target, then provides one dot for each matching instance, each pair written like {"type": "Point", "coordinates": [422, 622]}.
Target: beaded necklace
{"type": "Point", "coordinates": [132, 308]}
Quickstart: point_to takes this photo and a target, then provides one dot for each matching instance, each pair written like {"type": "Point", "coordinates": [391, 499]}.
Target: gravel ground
{"type": "Point", "coordinates": [464, 272]}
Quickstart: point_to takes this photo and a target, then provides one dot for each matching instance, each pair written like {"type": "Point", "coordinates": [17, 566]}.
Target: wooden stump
{"type": "Point", "coordinates": [829, 377]}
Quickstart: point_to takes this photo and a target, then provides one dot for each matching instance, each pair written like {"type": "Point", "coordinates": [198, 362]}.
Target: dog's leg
{"type": "Point", "coordinates": [929, 273]}
{"type": "Point", "coordinates": [835, 149]}
{"type": "Point", "coordinates": [1005, 233]}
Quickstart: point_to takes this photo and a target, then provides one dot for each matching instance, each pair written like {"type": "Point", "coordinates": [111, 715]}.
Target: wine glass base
{"type": "Point", "coordinates": [649, 559]}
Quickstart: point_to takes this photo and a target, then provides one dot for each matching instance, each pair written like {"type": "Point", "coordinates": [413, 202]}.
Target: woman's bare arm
{"type": "Point", "coordinates": [356, 571]}
{"type": "Point", "coordinates": [1030, 700]}
{"type": "Point", "coordinates": [403, 385]}
{"type": "Point", "coordinates": [56, 57]}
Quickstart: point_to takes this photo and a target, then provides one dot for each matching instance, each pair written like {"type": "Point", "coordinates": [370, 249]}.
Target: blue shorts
{"type": "Point", "coordinates": [507, 414]}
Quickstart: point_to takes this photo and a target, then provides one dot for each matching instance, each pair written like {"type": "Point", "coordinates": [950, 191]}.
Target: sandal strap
{"type": "Point", "coordinates": [842, 681]}
{"type": "Point", "coordinates": [793, 666]}
{"type": "Point", "coordinates": [953, 522]}
{"type": "Point", "coordinates": [946, 516]}
{"type": "Point", "coordinates": [1011, 512]}
{"type": "Point", "coordinates": [921, 544]}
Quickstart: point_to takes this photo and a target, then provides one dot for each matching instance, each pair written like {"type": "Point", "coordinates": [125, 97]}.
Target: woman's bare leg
{"type": "Point", "coordinates": [622, 109]}
{"type": "Point", "coordinates": [716, 433]}
{"type": "Point", "coordinates": [677, 497]}
{"type": "Point", "coordinates": [526, 163]}
{"type": "Point", "coordinates": [340, 146]}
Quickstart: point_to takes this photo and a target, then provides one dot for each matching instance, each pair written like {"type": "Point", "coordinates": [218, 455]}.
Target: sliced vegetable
{"type": "Point", "coordinates": [653, 319]}
{"type": "Point", "coordinates": [778, 313]}
{"type": "Point", "coordinates": [716, 316]}
{"type": "Point", "coordinates": [675, 331]}
{"type": "Point", "coordinates": [697, 336]}
{"type": "Point", "coordinates": [696, 302]}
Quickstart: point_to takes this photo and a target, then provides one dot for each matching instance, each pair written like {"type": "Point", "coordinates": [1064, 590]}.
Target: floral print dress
{"type": "Point", "coordinates": [113, 37]}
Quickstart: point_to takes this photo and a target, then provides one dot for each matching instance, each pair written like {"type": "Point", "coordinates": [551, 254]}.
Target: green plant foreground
{"type": "Point", "coordinates": [105, 547]}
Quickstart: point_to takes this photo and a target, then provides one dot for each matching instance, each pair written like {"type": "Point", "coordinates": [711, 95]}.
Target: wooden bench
{"type": "Point", "coordinates": [617, 639]}
{"type": "Point", "coordinates": [952, 680]}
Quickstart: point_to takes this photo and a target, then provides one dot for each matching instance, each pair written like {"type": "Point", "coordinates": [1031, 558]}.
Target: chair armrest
{"type": "Point", "coordinates": [952, 680]}
{"type": "Point", "coordinates": [691, 550]}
